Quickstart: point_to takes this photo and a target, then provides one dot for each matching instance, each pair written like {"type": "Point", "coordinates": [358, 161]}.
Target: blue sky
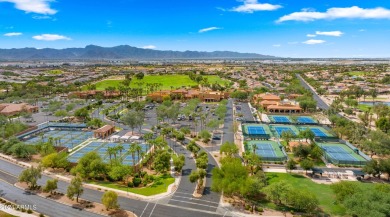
{"type": "Point", "coordinates": [285, 28]}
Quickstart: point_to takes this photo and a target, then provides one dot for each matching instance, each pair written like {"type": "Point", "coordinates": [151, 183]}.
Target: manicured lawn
{"type": "Point", "coordinates": [364, 107]}
{"type": "Point", "coordinates": [167, 81]}
{"type": "Point", "coordinates": [146, 191]}
{"type": "Point", "coordinates": [323, 192]}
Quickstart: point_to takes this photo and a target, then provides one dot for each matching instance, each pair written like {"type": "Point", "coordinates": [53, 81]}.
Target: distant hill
{"type": "Point", "coordinates": [94, 52]}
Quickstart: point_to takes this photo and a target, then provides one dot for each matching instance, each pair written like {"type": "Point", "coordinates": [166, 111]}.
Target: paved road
{"type": "Point", "coordinates": [320, 103]}
{"type": "Point", "coordinates": [141, 208]}
{"type": "Point", "coordinates": [45, 206]}
{"type": "Point", "coordinates": [246, 111]}
{"type": "Point", "coordinates": [183, 195]}
{"type": "Point", "coordinates": [228, 134]}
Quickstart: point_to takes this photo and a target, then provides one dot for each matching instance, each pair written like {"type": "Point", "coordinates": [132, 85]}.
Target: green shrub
{"type": "Point", "coordinates": [259, 209]}
{"type": "Point", "coordinates": [137, 182]}
{"type": "Point", "coordinates": [41, 215]}
{"type": "Point", "coordinates": [29, 211]}
{"type": "Point", "coordinates": [130, 184]}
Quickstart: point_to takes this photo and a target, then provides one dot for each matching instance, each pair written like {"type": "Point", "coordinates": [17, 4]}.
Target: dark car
{"type": "Point", "coordinates": [216, 138]}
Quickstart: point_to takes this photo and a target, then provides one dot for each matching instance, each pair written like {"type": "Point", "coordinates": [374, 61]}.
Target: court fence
{"type": "Point", "coordinates": [46, 127]}
{"type": "Point", "coordinates": [254, 136]}
{"type": "Point", "coordinates": [280, 159]}
{"type": "Point", "coordinates": [354, 148]}
{"type": "Point", "coordinates": [343, 162]}
{"type": "Point", "coordinates": [257, 137]}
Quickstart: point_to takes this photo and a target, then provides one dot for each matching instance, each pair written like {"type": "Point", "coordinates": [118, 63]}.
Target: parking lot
{"type": "Point", "coordinates": [243, 109]}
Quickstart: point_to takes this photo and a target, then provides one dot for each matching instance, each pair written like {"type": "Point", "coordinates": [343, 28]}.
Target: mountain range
{"type": "Point", "coordinates": [93, 52]}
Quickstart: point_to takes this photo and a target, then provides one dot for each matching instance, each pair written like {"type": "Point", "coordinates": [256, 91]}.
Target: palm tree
{"type": "Point", "coordinates": [254, 147]}
{"type": "Point", "coordinates": [139, 151]}
{"type": "Point", "coordinates": [148, 137]}
{"type": "Point", "coordinates": [132, 151]}
{"type": "Point", "coordinates": [111, 151]}
{"type": "Point", "coordinates": [120, 148]}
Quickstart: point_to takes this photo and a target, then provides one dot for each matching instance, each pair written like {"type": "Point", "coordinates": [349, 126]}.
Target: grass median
{"type": "Point", "coordinates": [153, 189]}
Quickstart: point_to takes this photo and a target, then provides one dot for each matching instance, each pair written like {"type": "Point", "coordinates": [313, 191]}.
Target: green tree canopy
{"type": "Point", "coordinates": [110, 200]}
{"type": "Point", "coordinates": [90, 166]}
{"type": "Point", "coordinates": [75, 189]}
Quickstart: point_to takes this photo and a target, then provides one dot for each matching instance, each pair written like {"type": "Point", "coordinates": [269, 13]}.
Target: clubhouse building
{"type": "Point", "coordinates": [184, 94]}
{"type": "Point", "coordinates": [273, 104]}
{"type": "Point", "coordinates": [9, 109]}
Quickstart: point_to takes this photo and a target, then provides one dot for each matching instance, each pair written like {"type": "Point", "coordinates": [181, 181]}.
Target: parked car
{"type": "Point", "coordinates": [216, 138]}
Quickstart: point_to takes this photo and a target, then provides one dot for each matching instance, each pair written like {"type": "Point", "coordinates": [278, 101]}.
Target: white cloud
{"type": "Point", "coordinates": [362, 30]}
{"type": "Point", "coordinates": [314, 41]}
{"type": "Point", "coordinates": [331, 33]}
{"type": "Point", "coordinates": [50, 37]}
{"type": "Point", "coordinates": [251, 6]}
{"type": "Point", "coordinates": [311, 35]}
{"type": "Point", "coordinates": [44, 17]}
{"type": "Point", "coordinates": [220, 8]}
{"type": "Point", "coordinates": [11, 34]}
{"type": "Point", "coordinates": [149, 47]}
{"type": "Point", "coordinates": [277, 45]}
{"type": "Point", "coordinates": [337, 13]}
{"type": "Point", "coordinates": [208, 29]}
{"type": "Point", "coordinates": [33, 6]}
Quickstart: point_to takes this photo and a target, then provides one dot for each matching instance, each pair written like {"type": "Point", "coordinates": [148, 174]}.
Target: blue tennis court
{"type": "Point", "coordinates": [102, 149]}
{"type": "Point", "coordinates": [318, 133]}
{"type": "Point", "coordinates": [63, 138]}
{"type": "Point", "coordinates": [280, 130]}
{"type": "Point", "coordinates": [280, 119]}
{"type": "Point", "coordinates": [256, 130]}
{"type": "Point", "coordinates": [265, 150]}
{"type": "Point", "coordinates": [306, 120]}
{"type": "Point", "coordinates": [339, 153]}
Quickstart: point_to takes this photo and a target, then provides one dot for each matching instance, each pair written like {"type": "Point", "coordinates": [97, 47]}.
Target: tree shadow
{"type": "Point", "coordinates": [186, 172]}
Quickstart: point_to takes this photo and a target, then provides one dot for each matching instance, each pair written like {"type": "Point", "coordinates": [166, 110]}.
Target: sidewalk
{"type": "Point", "coordinates": [171, 188]}
{"type": "Point", "coordinates": [15, 212]}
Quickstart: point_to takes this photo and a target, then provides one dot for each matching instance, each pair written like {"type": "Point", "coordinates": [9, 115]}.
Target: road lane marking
{"type": "Point", "coordinates": [195, 203]}
{"type": "Point", "coordinates": [144, 209]}
{"type": "Point", "coordinates": [155, 204]}
{"type": "Point", "coordinates": [195, 199]}
{"type": "Point", "coordinates": [7, 173]}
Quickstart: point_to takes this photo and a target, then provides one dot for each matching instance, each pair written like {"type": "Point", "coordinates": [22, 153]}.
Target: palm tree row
{"type": "Point", "coordinates": [113, 151]}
